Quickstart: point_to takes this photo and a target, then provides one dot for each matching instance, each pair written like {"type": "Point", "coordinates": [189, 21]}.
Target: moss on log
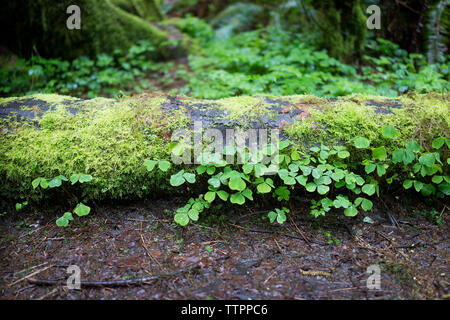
{"type": "Point", "coordinates": [48, 135]}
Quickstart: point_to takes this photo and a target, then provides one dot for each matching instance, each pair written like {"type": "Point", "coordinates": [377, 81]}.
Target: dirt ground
{"type": "Point", "coordinates": [235, 256]}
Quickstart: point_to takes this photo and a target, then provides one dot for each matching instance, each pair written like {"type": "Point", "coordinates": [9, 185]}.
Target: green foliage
{"type": "Point", "coordinates": [273, 61]}
{"type": "Point", "coordinates": [107, 75]}
{"type": "Point", "coordinates": [80, 209]}
{"type": "Point", "coordinates": [270, 61]}
{"type": "Point", "coordinates": [322, 171]}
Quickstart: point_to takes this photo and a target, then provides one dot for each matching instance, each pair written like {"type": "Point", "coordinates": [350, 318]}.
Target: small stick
{"type": "Point", "coordinates": [30, 275]}
{"type": "Point", "coordinates": [298, 230]}
{"type": "Point", "coordinates": [47, 294]}
{"type": "Point", "coordinates": [119, 283]}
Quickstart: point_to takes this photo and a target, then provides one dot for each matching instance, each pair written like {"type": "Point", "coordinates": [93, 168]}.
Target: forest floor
{"type": "Point", "coordinates": [240, 257]}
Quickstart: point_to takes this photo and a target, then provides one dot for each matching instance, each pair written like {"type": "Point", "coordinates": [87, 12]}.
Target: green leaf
{"type": "Point", "coordinates": [85, 178]}
{"type": "Point", "coordinates": [193, 214]}
{"type": "Point", "coordinates": [413, 146]}
{"type": "Point", "coordinates": [248, 194]}
{"type": "Point", "coordinates": [368, 220]}
{"type": "Point", "coordinates": [289, 181]}
{"type": "Point", "coordinates": [409, 157]}
{"type": "Point", "coordinates": [82, 210]}
{"type": "Point", "coordinates": [210, 196]}
{"type": "Point", "coordinates": [190, 177]}
{"type": "Point", "coordinates": [164, 165]}
{"type": "Point", "coordinates": [438, 143]}
{"type": "Point", "coordinates": [311, 187]}
{"type": "Point", "coordinates": [247, 168]}
{"type": "Point", "coordinates": [283, 144]}
{"type": "Point", "coordinates": [317, 173]}
{"type": "Point", "coordinates": [263, 188]}
{"type": "Point", "coordinates": [62, 222]}
{"type": "Point", "coordinates": [321, 189]}
{"type": "Point", "coordinates": [407, 184]}
{"type": "Point", "coordinates": [301, 180]}
{"type": "Point", "coordinates": [294, 155]}
{"type": "Point", "coordinates": [210, 170]}
{"type": "Point", "coordinates": [444, 188]}
{"type": "Point", "coordinates": [182, 219]}
{"type": "Point", "coordinates": [379, 153]}
{"type": "Point", "coordinates": [177, 179]}
{"type": "Point", "coordinates": [55, 182]}
{"type": "Point", "coordinates": [366, 204]}
{"type": "Point", "coordinates": [281, 217]}
{"type": "Point", "coordinates": [35, 182]}
{"type": "Point", "coordinates": [215, 182]}
{"type": "Point", "coordinates": [306, 170]}
{"type": "Point", "coordinates": [223, 195]}
{"type": "Point", "coordinates": [361, 143]}
{"type": "Point", "coordinates": [236, 183]}
{"type": "Point", "coordinates": [427, 159]}
{"type": "Point", "coordinates": [351, 211]}
{"type": "Point", "coordinates": [368, 189]}
{"type": "Point", "coordinates": [283, 173]}
{"type": "Point", "coordinates": [398, 156]}
{"type": "Point", "coordinates": [68, 215]}
{"type": "Point", "coordinates": [370, 168]}
{"type": "Point", "coordinates": [437, 179]}
{"type": "Point", "coordinates": [237, 198]}
{"type": "Point", "coordinates": [272, 216]}
{"type": "Point", "coordinates": [323, 154]}
{"type": "Point", "coordinates": [343, 154]}
{"type": "Point", "coordinates": [74, 178]}
{"type": "Point", "coordinates": [418, 185]}
{"type": "Point", "coordinates": [44, 183]}
{"type": "Point", "coordinates": [380, 170]}
{"type": "Point", "coordinates": [209, 249]}
{"type": "Point", "coordinates": [150, 164]}
{"type": "Point", "coordinates": [427, 189]}
{"type": "Point", "coordinates": [389, 132]}
{"type": "Point", "coordinates": [201, 169]}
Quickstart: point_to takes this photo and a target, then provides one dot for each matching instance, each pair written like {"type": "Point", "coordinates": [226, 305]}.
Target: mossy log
{"type": "Point", "coordinates": [49, 135]}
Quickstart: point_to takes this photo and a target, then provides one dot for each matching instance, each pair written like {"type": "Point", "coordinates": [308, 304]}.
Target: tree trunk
{"type": "Point", "coordinates": [33, 27]}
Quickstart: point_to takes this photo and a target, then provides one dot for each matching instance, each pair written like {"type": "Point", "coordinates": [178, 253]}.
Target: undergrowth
{"type": "Point", "coordinates": [265, 61]}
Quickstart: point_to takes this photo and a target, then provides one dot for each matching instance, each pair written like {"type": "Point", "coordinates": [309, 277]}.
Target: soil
{"type": "Point", "coordinates": [238, 255]}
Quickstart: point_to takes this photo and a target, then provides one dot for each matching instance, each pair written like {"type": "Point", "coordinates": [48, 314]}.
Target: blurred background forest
{"type": "Point", "coordinates": [223, 48]}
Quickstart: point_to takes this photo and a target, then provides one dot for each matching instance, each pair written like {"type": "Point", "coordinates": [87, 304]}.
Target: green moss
{"type": "Point", "coordinates": [423, 118]}
{"type": "Point", "coordinates": [245, 109]}
{"type": "Point", "coordinates": [109, 141]}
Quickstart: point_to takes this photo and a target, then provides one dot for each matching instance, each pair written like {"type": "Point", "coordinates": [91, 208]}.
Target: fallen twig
{"type": "Point", "coordinates": [30, 275]}
{"type": "Point", "coordinates": [118, 283]}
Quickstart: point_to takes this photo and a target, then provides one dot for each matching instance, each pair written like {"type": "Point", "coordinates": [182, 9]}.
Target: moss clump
{"type": "Point", "coordinates": [109, 141]}
{"type": "Point", "coordinates": [245, 110]}
{"type": "Point", "coordinates": [423, 118]}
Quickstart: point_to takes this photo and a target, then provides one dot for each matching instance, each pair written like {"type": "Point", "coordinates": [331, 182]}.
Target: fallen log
{"type": "Point", "coordinates": [49, 135]}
